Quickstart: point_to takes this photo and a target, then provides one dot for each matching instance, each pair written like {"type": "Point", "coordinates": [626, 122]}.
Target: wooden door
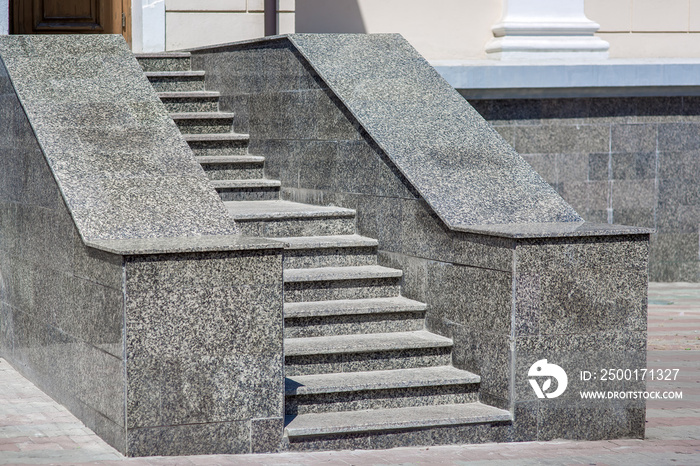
{"type": "Point", "coordinates": [71, 17]}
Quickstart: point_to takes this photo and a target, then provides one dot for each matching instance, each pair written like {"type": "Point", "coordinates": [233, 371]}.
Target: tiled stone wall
{"type": "Point", "coordinates": [124, 292]}
{"type": "Point", "coordinates": [494, 295]}
{"type": "Point", "coordinates": [632, 161]}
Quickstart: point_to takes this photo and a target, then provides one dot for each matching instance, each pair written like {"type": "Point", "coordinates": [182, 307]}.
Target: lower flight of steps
{"type": "Point", "coordinates": [362, 371]}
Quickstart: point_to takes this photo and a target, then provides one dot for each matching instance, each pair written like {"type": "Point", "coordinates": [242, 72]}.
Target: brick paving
{"type": "Point", "coordinates": [36, 430]}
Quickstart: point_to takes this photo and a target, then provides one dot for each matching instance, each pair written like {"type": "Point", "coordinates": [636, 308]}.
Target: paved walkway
{"type": "Point", "coordinates": [36, 430]}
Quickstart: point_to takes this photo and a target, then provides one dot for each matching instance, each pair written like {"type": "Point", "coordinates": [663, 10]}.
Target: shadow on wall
{"type": "Point", "coordinates": [339, 16]}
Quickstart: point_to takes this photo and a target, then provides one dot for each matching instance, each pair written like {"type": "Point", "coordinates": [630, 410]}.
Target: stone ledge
{"type": "Point", "coordinates": [183, 244]}
{"type": "Point", "coordinates": [555, 230]}
{"type": "Point", "coordinates": [490, 79]}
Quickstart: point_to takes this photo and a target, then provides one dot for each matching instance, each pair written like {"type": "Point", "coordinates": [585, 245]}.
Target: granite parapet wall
{"type": "Point", "coordinates": [125, 291]}
{"type": "Point", "coordinates": [362, 122]}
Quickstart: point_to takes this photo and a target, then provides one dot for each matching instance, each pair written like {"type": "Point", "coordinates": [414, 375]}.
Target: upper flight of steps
{"type": "Point", "coordinates": [358, 359]}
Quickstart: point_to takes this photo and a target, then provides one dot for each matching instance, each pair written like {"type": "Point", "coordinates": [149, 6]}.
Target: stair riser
{"type": "Point", "coordinates": [219, 148]}
{"type": "Point", "coordinates": [233, 171]}
{"type": "Point", "coordinates": [357, 362]}
{"type": "Point", "coordinates": [298, 227]}
{"type": "Point", "coordinates": [336, 257]}
{"type": "Point", "coordinates": [165, 64]}
{"type": "Point", "coordinates": [200, 104]}
{"type": "Point", "coordinates": [178, 84]}
{"type": "Point", "coordinates": [353, 324]}
{"type": "Point", "coordinates": [249, 194]}
{"type": "Point", "coordinates": [205, 126]}
{"type": "Point", "coordinates": [341, 289]}
{"type": "Point", "coordinates": [489, 432]}
{"type": "Point", "coordinates": [381, 399]}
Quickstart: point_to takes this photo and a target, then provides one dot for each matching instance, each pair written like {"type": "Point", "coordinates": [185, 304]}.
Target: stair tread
{"type": "Point", "coordinates": [280, 210]}
{"type": "Point", "coordinates": [163, 55]}
{"type": "Point", "coordinates": [393, 418]}
{"type": "Point", "coordinates": [357, 272]}
{"type": "Point", "coordinates": [351, 307]}
{"type": "Point", "coordinates": [216, 137]}
{"type": "Point", "coordinates": [188, 94]}
{"type": "Point", "coordinates": [378, 380]}
{"type": "Point", "coordinates": [250, 183]}
{"type": "Point", "coordinates": [320, 242]}
{"type": "Point", "coordinates": [364, 343]}
{"type": "Point", "coordinates": [173, 74]}
{"type": "Point", "coordinates": [201, 115]}
{"type": "Point", "coordinates": [229, 159]}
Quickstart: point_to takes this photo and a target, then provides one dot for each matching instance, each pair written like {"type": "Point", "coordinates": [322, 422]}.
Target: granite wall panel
{"type": "Point", "coordinates": [643, 164]}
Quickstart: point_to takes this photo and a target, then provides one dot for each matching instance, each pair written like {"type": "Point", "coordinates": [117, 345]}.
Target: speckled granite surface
{"type": "Point", "coordinates": [121, 164]}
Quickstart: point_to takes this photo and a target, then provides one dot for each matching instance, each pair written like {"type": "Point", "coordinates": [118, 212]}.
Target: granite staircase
{"type": "Point", "coordinates": [358, 360]}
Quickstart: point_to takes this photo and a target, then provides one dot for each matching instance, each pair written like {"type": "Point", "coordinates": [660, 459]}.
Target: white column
{"type": "Point", "coordinates": [533, 29]}
{"type": "Point", "coordinates": [147, 25]}
{"type": "Point", "coordinates": [4, 17]}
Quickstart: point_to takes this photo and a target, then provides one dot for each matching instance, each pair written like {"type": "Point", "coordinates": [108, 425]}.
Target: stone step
{"type": "Point", "coordinates": [353, 316]}
{"type": "Point", "coordinates": [164, 61]}
{"type": "Point", "coordinates": [176, 81]}
{"type": "Point", "coordinates": [247, 190]}
{"type": "Point", "coordinates": [203, 122]}
{"type": "Point", "coordinates": [284, 218]}
{"type": "Point", "coordinates": [379, 389]}
{"type": "Point", "coordinates": [199, 101]}
{"type": "Point", "coordinates": [218, 144]}
{"type": "Point", "coordinates": [365, 352]}
{"type": "Point", "coordinates": [352, 282]}
{"type": "Point", "coordinates": [232, 167]}
{"type": "Point", "coordinates": [307, 427]}
{"type": "Point", "coordinates": [329, 251]}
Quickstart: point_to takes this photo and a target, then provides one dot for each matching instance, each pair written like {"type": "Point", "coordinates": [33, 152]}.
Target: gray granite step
{"type": "Point", "coordinates": [232, 167]}
{"type": "Point", "coordinates": [203, 122]}
{"type": "Point", "coordinates": [345, 307]}
{"type": "Point", "coordinates": [353, 316]}
{"type": "Point", "coordinates": [378, 380]}
{"type": "Point", "coordinates": [351, 282]}
{"type": "Point", "coordinates": [329, 251]}
{"type": "Point", "coordinates": [247, 189]}
{"type": "Point", "coordinates": [165, 61]}
{"type": "Point", "coordinates": [176, 81]}
{"type": "Point", "coordinates": [419, 417]}
{"type": "Point", "coordinates": [365, 352]}
{"type": "Point", "coordinates": [379, 389]}
{"type": "Point", "coordinates": [199, 101]}
{"type": "Point", "coordinates": [221, 144]}
{"type": "Point", "coordinates": [285, 218]}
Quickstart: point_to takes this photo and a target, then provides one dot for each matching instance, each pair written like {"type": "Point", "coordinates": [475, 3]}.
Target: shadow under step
{"type": "Point", "coordinates": [365, 352]}
{"type": "Point", "coordinates": [232, 167]}
{"type": "Point", "coordinates": [284, 218]}
{"type": "Point", "coordinates": [353, 316]}
{"type": "Point", "coordinates": [351, 282]}
{"type": "Point", "coordinates": [196, 101]}
{"type": "Point", "coordinates": [392, 419]}
{"type": "Point", "coordinates": [379, 389]}
{"type": "Point", "coordinates": [247, 189]}
{"type": "Point", "coordinates": [203, 122]}
{"type": "Point", "coordinates": [329, 251]}
{"type": "Point", "coordinates": [164, 61]}
{"type": "Point", "coordinates": [218, 144]}
{"type": "Point", "coordinates": [176, 81]}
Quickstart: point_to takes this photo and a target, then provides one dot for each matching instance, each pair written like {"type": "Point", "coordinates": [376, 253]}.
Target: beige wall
{"type": "Point", "coordinates": [439, 29]}
{"type": "Point", "coordinates": [193, 23]}
{"type": "Point", "coordinates": [648, 28]}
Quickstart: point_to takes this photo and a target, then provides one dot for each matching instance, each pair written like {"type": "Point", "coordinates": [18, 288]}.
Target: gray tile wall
{"type": "Point", "coordinates": [633, 161]}
{"type": "Point", "coordinates": [61, 320]}
{"type": "Point", "coordinates": [323, 156]}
